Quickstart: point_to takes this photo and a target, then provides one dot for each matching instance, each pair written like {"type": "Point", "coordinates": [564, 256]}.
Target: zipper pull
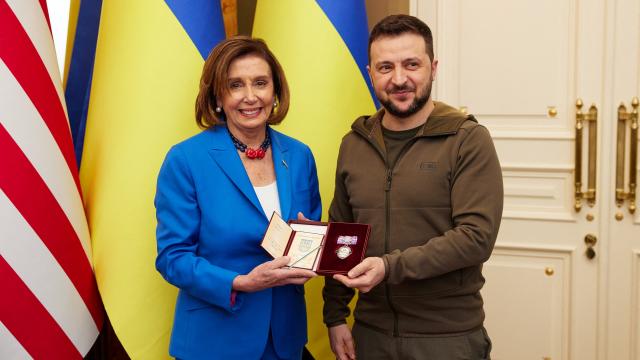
{"type": "Point", "coordinates": [388, 184]}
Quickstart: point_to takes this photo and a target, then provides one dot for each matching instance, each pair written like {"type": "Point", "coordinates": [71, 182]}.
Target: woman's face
{"type": "Point", "coordinates": [249, 100]}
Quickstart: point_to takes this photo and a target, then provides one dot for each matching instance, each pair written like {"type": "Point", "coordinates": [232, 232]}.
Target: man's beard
{"type": "Point", "coordinates": [417, 104]}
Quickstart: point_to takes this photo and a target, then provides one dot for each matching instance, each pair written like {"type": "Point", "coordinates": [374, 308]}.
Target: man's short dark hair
{"type": "Point", "coordinates": [395, 25]}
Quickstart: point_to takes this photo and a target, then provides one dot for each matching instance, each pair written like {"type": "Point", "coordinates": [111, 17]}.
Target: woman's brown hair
{"type": "Point", "coordinates": [215, 74]}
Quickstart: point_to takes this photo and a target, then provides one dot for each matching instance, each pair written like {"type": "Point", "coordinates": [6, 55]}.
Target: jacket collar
{"type": "Point", "coordinates": [224, 153]}
{"type": "Point", "coordinates": [443, 120]}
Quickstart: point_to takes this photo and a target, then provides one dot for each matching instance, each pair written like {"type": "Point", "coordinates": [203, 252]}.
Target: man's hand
{"type": "Point", "coordinates": [342, 342]}
{"type": "Point", "coordinates": [364, 276]}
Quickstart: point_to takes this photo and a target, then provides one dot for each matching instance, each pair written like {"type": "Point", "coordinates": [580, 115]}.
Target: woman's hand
{"type": "Point", "coordinates": [270, 274]}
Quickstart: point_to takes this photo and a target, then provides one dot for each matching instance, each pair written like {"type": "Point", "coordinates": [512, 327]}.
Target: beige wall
{"type": "Point", "coordinates": [378, 9]}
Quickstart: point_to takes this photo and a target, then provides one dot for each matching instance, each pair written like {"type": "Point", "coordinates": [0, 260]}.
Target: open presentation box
{"type": "Point", "coordinates": [326, 248]}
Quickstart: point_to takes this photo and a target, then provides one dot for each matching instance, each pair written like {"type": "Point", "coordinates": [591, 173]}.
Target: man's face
{"type": "Point", "coordinates": [401, 73]}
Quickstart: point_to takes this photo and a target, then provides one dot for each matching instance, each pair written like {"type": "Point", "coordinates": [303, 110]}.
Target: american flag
{"type": "Point", "coordinates": [49, 302]}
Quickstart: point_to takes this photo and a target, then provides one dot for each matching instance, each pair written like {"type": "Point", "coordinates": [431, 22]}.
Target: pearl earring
{"type": "Point", "coordinates": [218, 109]}
{"type": "Point", "coordinates": [275, 103]}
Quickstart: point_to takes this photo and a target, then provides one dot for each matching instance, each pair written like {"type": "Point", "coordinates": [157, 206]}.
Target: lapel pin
{"type": "Point", "coordinates": [285, 164]}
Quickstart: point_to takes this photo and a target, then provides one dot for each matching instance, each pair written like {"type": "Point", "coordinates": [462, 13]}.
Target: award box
{"type": "Point", "coordinates": [326, 248]}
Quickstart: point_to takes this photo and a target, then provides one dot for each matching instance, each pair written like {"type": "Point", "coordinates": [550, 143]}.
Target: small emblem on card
{"type": "Point", "coordinates": [305, 245]}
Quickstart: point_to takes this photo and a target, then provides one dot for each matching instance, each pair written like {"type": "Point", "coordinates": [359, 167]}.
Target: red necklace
{"type": "Point", "coordinates": [251, 153]}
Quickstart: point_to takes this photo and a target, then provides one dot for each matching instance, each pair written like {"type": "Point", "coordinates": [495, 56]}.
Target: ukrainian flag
{"type": "Point", "coordinates": [322, 46]}
{"type": "Point", "coordinates": [144, 82]}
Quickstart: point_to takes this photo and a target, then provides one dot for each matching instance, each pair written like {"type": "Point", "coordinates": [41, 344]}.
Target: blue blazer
{"type": "Point", "coordinates": [210, 224]}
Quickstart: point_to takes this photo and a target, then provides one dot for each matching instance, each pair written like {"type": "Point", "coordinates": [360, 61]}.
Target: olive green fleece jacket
{"type": "Point", "coordinates": [435, 217]}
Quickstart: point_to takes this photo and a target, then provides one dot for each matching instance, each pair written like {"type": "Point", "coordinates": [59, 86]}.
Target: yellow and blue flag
{"type": "Point", "coordinates": [137, 99]}
{"type": "Point", "coordinates": [322, 46]}
{"type": "Point", "coordinates": [84, 20]}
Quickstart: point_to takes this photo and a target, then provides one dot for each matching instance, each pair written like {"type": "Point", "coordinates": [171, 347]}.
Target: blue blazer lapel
{"type": "Point", "coordinates": [281, 166]}
{"type": "Point", "coordinates": [224, 153]}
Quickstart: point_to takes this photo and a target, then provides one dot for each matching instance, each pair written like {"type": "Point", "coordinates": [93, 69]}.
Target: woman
{"type": "Point", "coordinates": [216, 192]}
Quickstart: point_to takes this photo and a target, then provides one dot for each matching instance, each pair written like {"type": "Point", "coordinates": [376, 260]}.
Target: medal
{"type": "Point", "coordinates": [343, 252]}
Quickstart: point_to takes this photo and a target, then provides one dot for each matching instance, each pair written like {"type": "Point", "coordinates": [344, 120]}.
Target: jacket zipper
{"type": "Point", "coordinates": [396, 331]}
{"type": "Point", "coordinates": [387, 236]}
{"type": "Point", "coordinates": [387, 209]}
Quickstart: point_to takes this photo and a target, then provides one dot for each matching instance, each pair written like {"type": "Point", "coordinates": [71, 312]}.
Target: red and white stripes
{"type": "Point", "coordinates": [49, 302]}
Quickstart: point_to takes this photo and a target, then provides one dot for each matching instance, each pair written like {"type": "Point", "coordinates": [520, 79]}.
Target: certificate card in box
{"type": "Point", "coordinates": [326, 248]}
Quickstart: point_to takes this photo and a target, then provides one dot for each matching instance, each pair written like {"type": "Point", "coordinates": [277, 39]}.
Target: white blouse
{"type": "Point", "coordinates": [269, 199]}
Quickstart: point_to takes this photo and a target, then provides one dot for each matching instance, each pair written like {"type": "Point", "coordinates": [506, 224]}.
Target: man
{"type": "Point", "coordinates": [428, 180]}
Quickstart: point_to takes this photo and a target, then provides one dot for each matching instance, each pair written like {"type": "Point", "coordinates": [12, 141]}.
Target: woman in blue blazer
{"type": "Point", "coordinates": [215, 194]}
